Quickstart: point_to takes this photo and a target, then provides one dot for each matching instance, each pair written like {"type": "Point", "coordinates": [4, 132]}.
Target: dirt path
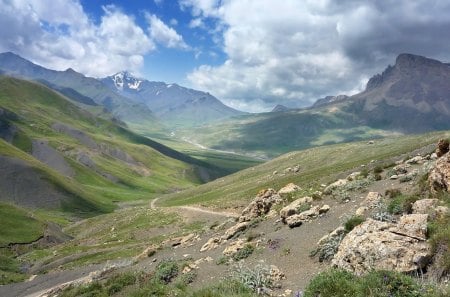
{"type": "Point", "coordinates": [195, 210]}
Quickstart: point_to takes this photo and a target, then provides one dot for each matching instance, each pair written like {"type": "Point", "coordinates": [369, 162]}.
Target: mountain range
{"type": "Point", "coordinates": [411, 96]}
{"type": "Point", "coordinates": [171, 103]}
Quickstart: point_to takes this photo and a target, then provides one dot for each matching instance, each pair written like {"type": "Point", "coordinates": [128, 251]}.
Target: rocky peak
{"type": "Point", "coordinates": [125, 79]}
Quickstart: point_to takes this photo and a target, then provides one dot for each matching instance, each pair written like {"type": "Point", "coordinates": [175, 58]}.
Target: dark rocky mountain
{"type": "Point", "coordinates": [171, 103]}
{"type": "Point", "coordinates": [77, 87]}
{"type": "Point", "coordinates": [280, 108]}
{"type": "Point", "coordinates": [411, 96]}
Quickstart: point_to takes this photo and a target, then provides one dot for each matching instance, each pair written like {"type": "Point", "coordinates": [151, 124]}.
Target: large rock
{"type": "Point", "coordinates": [289, 188]}
{"type": "Point", "coordinates": [294, 206]}
{"type": "Point", "coordinates": [260, 205]}
{"type": "Point", "coordinates": [442, 147]}
{"type": "Point", "coordinates": [234, 247]}
{"type": "Point", "coordinates": [372, 199]}
{"type": "Point", "coordinates": [439, 178]}
{"type": "Point", "coordinates": [337, 184]}
{"type": "Point", "coordinates": [412, 225]}
{"type": "Point", "coordinates": [239, 227]}
{"type": "Point", "coordinates": [381, 246]}
{"type": "Point", "coordinates": [305, 216]}
{"type": "Point", "coordinates": [211, 244]}
{"type": "Point", "coordinates": [424, 206]}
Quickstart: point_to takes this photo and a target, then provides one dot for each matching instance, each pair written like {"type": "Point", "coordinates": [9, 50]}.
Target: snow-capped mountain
{"type": "Point", "coordinates": [171, 103]}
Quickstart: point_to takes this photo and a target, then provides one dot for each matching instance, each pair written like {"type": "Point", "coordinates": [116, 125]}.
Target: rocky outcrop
{"type": "Point", "coordinates": [211, 244]}
{"type": "Point", "coordinates": [234, 247]}
{"type": "Point", "coordinates": [424, 206]}
{"type": "Point", "coordinates": [239, 227]}
{"type": "Point", "coordinates": [260, 205]}
{"type": "Point", "coordinates": [306, 216]}
{"type": "Point", "coordinates": [442, 147]}
{"type": "Point", "coordinates": [439, 177]}
{"type": "Point", "coordinates": [294, 207]}
{"type": "Point", "coordinates": [289, 188]}
{"type": "Point", "coordinates": [337, 184]}
{"type": "Point", "coordinates": [384, 246]}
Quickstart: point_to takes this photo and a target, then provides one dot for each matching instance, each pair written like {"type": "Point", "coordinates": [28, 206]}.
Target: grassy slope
{"type": "Point", "coordinates": [318, 165]}
{"type": "Point", "coordinates": [272, 134]}
{"type": "Point", "coordinates": [38, 108]}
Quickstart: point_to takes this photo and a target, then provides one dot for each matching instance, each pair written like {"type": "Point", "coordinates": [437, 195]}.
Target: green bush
{"type": "Point", "coordinates": [119, 281]}
{"type": "Point", "coordinates": [166, 271]}
{"type": "Point", "coordinates": [378, 169]}
{"type": "Point", "coordinates": [243, 253]}
{"type": "Point", "coordinates": [439, 233]}
{"type": "Point", "coordinates": [401, 204]}
{"type": "Point", "coordinates": [339, 283]}
{"type": "Point", "coordinates": [228, 288]}
{"type": "Point", "coordinates": [353, 222]}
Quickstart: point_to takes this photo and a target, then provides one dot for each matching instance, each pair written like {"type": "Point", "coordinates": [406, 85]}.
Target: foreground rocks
{"type": "Point", "coordinates": [439, 178]}
{"type": "Point", "coordinates": [385, 246]}
{"type": "Point", "coordinates": [260, 205]}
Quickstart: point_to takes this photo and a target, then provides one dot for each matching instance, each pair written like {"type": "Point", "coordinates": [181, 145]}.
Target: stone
{"type": "Point", "coordinates": [415, 160]}
{"type": "Point", "coordinates": [234, 247]}
{"type": "Point", "coordinates": [211, 244]}
{"type": "Point", "coordinates": [439, 177]}
{"type": "Point", "coordinates": [372, 199]}
{"type": "Point", "coordinates": [305, 216]}
{"type": "Point", "coordinates": [442, 147]}
{"type": "Point", "coordinates": [394, 176]}
{"type": "Point", "coordinates": [148, 252]}
{"type": "Point", "coordinates": [239, 227]}
{"type": "Point", "coordinates": [324, 209]}
{"type": "Point", "coordinates": [424, 206]}
{"type": "Point", "coordinates": [261, 205]}
{"type": "Point", "coordinates": [376, 245]}
{"type": "Point", "coordinates": [338, 232]}
{"type": "Point", "coordinates": [294, 206]}
{"type": "Point", "coordinates": [353, 176]}
{"type": "Point", "coordinates": [289, 188]}
{"type": "Point", "coordinates": [361, 211]}
{"type": "Point", "coordinates": [337, 184]}
{"type": "Point", "coordinates": [412, 225]}
{"type": "Point", "coordinates": [276, 274]}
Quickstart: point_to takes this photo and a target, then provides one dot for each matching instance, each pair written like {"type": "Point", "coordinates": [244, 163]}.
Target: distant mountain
{"type": "Point", "coordinates": [329, 100]}
{"type": "Point", "coordinates": [171, 103]}
{"type": "Point", "coordinates": [411, 96]}
{"type": "Point", "coordinates": [77, 87]}
{"type": "Point", "coordinates": [280, 108]}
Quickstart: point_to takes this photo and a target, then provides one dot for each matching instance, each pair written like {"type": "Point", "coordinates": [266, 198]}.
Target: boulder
{"type": "Point", "coordinates": [372, 199]}
{"type": "Point", "coordinates": [336, 233]}
{"type": "Point", "coordinates": [412, 225]}
{"type": "Point", "coordinates": [260, 205]}
{"type": "Point", "coordinates": [239, 227]}
{"type": "Point", "coordinates": [324, 209]}
{"type": "Point", "coordinates": [442, 148]}
{"type": "Point", "coordinates": [337, 184]}
{"type": "Point", "coordinates": [289, 188]}
{"type": "Point", "coordinates": [381, 246]}
{"type": "Point", "coordinates": [148, 252]}
{"type": "Point", "coordinates": [439, 177]}
{"type": "Point", "coordinates": [234, 247]}
{"type": "Point", "coordinates": [294, 206]}
{"type": "Point", "coordinates": [211, 244]}
{"type": "Point", "coordinates": [305, 216]}
{"type": "Point", "coordinates": [424, 206]}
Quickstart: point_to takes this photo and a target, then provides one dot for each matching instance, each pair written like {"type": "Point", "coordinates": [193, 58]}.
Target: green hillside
{"type": "Point", "coordinates": [317, 165]}
{"type": "Point", "coordinates": [107, 162]}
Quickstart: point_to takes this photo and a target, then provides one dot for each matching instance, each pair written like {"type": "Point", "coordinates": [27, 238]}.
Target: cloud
{"type": "Point", "coordinates": [293, 52]}
{"type": "Point", "coordinates": [163, 34]}
{"type": "Point", "coordinates": [64, 36]}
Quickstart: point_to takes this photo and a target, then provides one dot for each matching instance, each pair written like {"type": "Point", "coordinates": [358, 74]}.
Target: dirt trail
{"type": "Point", "coordinates": [195, 210]}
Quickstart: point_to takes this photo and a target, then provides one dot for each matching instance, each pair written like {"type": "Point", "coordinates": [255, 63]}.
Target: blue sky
{"type": "Point", "coordinates": [251, 54]}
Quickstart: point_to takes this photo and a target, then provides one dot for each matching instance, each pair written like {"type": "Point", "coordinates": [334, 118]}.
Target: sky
{"type": "Point", "coordinates": [251, 54]}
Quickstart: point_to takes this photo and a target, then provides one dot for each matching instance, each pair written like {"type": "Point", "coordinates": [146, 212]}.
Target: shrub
{"type": "Point", "coordinates": [377, 176]}
{"type": "Point", "coordinates": [119, 281]}
{"type": "Point", "coordinates": [378, 169]}
{"type": "Point", "coordinates": [257, 279]}
{"type": "Point", "coordinates": [353, 222]}
{"type": "Point", "coordinates": [401, 204]}
{"type": "Point", "coordinates": [166, 271]}
{"type": "Point", "coordinates": [364, 172]}
{"type": "Point", "coordinates": [303, 207]}
{"type": "Point", "coordinates": [392, 193]}
{"type": "Point", "coordinates": [439, 232]}
{"type": "Point", "coordinates": [228, 288]}
{"type": "Point", "coordinates": [223, 260]}
{"type": "Point", "coordinates": [339, 283]}
{"type": "Point", "coordinates": [243, 253]}
{"type": "Point", "coordinates": [328, 249]}
{"type": "Point", "coordinates": [382, 214]}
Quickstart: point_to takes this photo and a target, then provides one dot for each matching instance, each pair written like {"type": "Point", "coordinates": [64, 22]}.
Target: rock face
{"type": "Point", "coordinates": [439, 178]}
{"type": "Point", "coordinates": [383, 246]}
{"type": "Point", "coordinates": [293, 207]}
{"type": "Point", "coordinates": [260, 205]}
{"type": "Point", "coordinates": [424, 206]}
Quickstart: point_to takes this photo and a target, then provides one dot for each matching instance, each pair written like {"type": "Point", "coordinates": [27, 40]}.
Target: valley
{"type": "Point", "coordinates": [125, 187]}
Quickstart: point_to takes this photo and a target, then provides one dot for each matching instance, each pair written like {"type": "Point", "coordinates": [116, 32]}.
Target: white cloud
{"type": "Point", "coordinates": [163, 34]}
{"type": "Point", "coordinates": [196, 23]}
{"type": "Point", "coordinates": [61, 35]}
{"type": "Point", "coordinates": [292, 52]}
